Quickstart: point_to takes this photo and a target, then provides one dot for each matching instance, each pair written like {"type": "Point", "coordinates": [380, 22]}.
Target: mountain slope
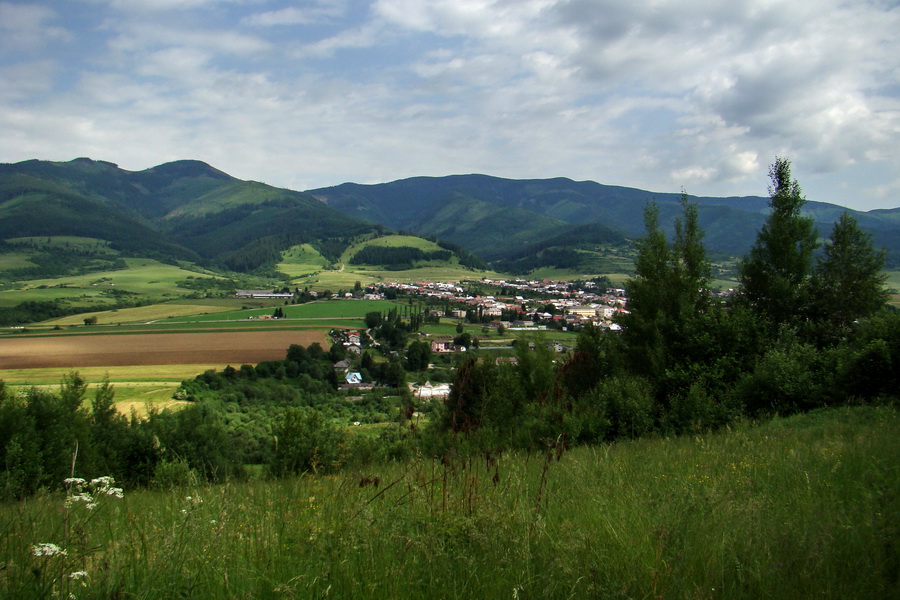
{"type": "Point", "coordinates": [179, 210]}
{"type": "Point", "coordinates": [498, 217]}
{"type": "Point", "coordinates": [78, 199]}
{"type": "Point", "coordinates": [190, 210]}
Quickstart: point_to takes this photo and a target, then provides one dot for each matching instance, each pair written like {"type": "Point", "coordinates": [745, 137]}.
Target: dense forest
{"type": "Point", "coordinates": [397, 257]}
{"type": "Point", "coordinates": [808, 328]}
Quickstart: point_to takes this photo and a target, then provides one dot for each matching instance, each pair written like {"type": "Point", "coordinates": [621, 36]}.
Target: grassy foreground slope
{"type": "Point", "coordinates": [796, 508]}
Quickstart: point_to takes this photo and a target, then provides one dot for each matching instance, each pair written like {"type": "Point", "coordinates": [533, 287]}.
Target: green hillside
{"type": "Point", "coordinates": [496, 218]}
{"type": "Point", "coordinates": [185, 210]}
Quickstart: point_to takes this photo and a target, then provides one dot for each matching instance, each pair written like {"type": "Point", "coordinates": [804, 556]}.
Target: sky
{"type": "Point", "coordinates": [700, 95]}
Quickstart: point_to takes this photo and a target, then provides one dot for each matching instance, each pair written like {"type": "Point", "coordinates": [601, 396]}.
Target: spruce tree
{"type": "Point", "coordinates": [668, 294]}
{"type": "Point", "coordinates": [775, 274]}
{"type": "Point", "coordinates": [848, 282]}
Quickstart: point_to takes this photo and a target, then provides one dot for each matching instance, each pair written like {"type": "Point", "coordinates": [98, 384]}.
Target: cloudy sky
{"type": "Point", "coordinates": [655, 94]}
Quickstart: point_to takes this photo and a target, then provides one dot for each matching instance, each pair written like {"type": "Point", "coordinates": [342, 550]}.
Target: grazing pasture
{"type": "Point", "coordinates": [331, 309]}
{"type": "Point", "coordinates": [140, 314]}
{"type": "Point", "coordinates": [144, 278]}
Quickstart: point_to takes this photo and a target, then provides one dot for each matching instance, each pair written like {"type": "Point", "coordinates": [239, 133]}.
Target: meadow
{"type": "Point", "coordinates": [328, 309]}
{"type": "Point", "coordinates": [793, 508]}
{"type": "Point", "coordinates": [137, 389]}
{"type": "Point", "coordinates": [143, 277]}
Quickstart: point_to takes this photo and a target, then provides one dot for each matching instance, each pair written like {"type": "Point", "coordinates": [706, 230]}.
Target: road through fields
{"type": "Point", "coordinates": [234, 348]}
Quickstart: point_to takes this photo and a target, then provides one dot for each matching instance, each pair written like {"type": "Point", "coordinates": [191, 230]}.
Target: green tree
{"type": "Point", "coordinates": [774, 276]}
{"type": "Point", "coordinates": [668, 294]}
{"type": "Point", "coordinates": [848, 282]}
{"type": "Point", "coordinates": [109, 431]}
{"type": "Point", "coordinates": [469, 396]}
{"type": "Point", "coordinates": [418, 355]}
{"type": "Point", "coordinates": [306, 442]}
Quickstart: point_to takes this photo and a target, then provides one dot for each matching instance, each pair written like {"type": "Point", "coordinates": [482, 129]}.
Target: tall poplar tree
{"type": "Point", "coordinates": [775, 274]}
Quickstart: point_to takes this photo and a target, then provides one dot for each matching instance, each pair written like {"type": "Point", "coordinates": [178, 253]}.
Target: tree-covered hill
{"type": "Point", "coordinates": [179, 210]}
{"type": "Point", "coordinates": [497, 217]}
{"type": "Point", "coordinates": [189, 210]}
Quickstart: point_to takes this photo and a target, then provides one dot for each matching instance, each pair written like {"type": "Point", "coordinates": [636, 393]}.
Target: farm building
{"type": "Point", "coordinates": [262, 294]}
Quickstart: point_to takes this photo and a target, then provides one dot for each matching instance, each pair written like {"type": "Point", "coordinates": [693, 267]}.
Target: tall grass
{"type": "Point", "coordinates": [799, 508]}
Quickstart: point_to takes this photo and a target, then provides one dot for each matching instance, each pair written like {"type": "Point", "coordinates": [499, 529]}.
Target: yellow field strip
{"type": "Point", "coordinates": [118, 375]}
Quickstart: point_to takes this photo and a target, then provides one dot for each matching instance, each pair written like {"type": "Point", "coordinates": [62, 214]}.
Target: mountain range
{"type": "Point", "coordinates": [190, 210]}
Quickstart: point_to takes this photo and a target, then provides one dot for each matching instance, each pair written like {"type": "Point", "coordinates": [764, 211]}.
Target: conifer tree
{"type": "Point", "coordinates": [669, 291]}
{"type": "Point", "coordinates": [775, 274]}
{"type": "Point", "coordinates": [848, 282]}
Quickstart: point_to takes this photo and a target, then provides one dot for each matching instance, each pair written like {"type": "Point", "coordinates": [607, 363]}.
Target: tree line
{"type": "Point", "coordinates": [396, 257]}
{"type": "Point", "coordinates": [283, 416]}
{"type": "Point", "coordinates": [803, 330]}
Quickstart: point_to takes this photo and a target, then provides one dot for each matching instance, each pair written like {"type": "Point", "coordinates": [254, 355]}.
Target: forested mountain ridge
{"type": "Point", "coordinates": [530, 212]}
{"type": "Point", "coordinates": [189, 210]}
{"type": "Point", "coordinates": [178, 210]}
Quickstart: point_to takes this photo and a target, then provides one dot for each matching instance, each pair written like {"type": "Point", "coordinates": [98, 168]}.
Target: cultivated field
{"type": "Point", "coordinates": [222, 348]}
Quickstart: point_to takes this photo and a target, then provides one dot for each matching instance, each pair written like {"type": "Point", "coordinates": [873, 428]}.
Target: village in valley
{"type": "Point", "coordinates": [494, 306]}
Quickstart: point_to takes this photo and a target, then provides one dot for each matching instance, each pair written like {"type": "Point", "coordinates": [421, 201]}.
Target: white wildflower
{"type": "Point", "coordinates": [78, 575]}
{"type": "Point", "coordinates": [80, 497]}
{"type": "Point", "coordinates": [106, 485]}
{"type": "Point", "coordinates": [76, 481]}
{"type": "Point", "coordinates": [47, 549]}
{"type": "Point", "coordinates": [117, 492]}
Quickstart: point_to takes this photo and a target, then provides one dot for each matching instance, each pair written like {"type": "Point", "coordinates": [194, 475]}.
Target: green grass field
{"type": "Point", "coordinates": [144, 277]}
{"type": "Point", "coordinates": [390, 241]}
{"type": "Point", "coordinates": [140, 314]}
{"type": "Point", "coordinates": [135, 387]}
{"type": "Point", "coordinates": [325, 309]}
{"type": "Point", "coordinates": [131, 397]}
{"type": "Point", "coordinates": [15, 260]}
{"type": "Point", "coordinates": [301, 260]}
{"type": "Point", "coordinates": [145, 373]}
{"type": "Point", "coordinates": [805, 507]}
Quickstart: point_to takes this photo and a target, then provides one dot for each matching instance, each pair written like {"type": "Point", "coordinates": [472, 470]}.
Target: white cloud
{"type": "Point", "coordinates": [314, 12]}
{"type": "Point", "coordinates": [25, 80]}
{"type": "Point", "coordinates": [139, 36]}
{"type": "Point", "coordinates": [364, 36]}
{"type": "Point", "coordinates": [644, 93]}
{"type": "Point", "coordinates": [164, 5]}
{"type": "Point", "coordinates": [26, 28]}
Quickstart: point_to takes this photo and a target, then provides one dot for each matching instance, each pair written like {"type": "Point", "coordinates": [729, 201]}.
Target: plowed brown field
{"type": "Point", "coordinates": [223, 348]}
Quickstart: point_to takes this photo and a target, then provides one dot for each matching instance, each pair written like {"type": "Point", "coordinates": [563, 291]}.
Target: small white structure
{"type": "Point", "coordinates": [427, 392]}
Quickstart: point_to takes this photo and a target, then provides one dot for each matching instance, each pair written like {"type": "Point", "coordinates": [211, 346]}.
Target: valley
{"type": "Point", "coordinates": [257, 369]}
